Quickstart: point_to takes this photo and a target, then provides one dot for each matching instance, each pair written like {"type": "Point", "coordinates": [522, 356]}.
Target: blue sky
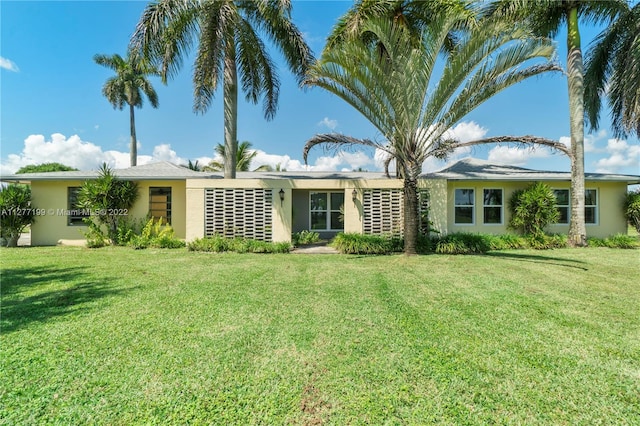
{"type": "Point", "coordinates": [52, 109]}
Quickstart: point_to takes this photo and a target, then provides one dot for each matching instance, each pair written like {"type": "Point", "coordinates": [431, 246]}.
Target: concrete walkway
{"type": "Point", "coordinates": [317, 248]}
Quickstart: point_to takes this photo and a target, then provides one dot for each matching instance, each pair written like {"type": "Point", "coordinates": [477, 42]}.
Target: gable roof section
{"type": "Point", "coordinates": [153, 171]}
{"type": "Point", "coordinates": [474, 169]}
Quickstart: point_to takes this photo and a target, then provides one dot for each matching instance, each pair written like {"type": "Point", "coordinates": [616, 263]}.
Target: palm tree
{"type": "Point", "coordinates": [545, 18]}
{"type": "Point", "coordinates": [127, 87]}
{"type": "Point", "coordinates": [244, 156]}
{"type": "Point", "coordinates": [414, 15]}
{"type": "Point", "coordinates": [193, 165]}
{"type": "Point", "coordinates": [411, 108]}
{"type": "Point", "coordinates": [613, 70]}
{"type": "Point", "coordinates": [230, 49]}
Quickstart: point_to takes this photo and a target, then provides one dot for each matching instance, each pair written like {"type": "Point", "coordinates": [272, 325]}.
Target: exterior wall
{"type": "Point", "coordinates": [609, 207]}
{"type": "Point", "coordinates": [52, 228]}
{"type": "Point", "coordinates": [292, 214]}
{"type": "Point", "coordinates": [610, 218]}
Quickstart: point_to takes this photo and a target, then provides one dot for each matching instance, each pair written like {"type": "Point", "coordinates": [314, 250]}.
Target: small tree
{"type": "Point", "coordinates": [532, 209]}
{"type": "Point", "coordinates": [17, 214]}
{"type": "Point", "coordinates": [45, 167]}
{"type": "Point", "coordinates": [632, 208]}
{"type": "Point", "coordinates": [109, 200]}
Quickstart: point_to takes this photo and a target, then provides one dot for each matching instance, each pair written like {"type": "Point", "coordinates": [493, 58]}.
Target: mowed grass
{"type": "Point", "coordinates": [117, 337]}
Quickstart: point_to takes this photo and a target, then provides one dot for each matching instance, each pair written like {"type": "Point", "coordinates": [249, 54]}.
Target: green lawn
{"type": "Point", "coordinates": [115, 336]}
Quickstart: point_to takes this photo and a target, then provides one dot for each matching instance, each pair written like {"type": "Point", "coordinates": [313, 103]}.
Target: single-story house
{"type": "Point", "coordinates": [471, 195]}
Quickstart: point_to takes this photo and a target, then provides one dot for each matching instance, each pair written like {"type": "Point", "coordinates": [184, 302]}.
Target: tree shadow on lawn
{"type": "Point", "coordinates": [557, 261]}
{"type": "Point", "coordinates": [18, 311]}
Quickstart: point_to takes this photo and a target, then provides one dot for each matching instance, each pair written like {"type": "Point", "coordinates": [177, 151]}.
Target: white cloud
{"type": "Point", "coordinates": [620, 155]}
{"type": "Point", "coordinates": [466, 131]}
{"type": "Point", "coordinates": [8, 65]}
{"type": "Point", "coordinates": [590, 141]}
{"type": "Point", "coordinates": [516, 156]}
{"type": "Point", "coordinates": [327, 122]}
{"type": "Point", "coordinates": [77, 153]}
{"type": "Point", "coordinates": [344, 161]}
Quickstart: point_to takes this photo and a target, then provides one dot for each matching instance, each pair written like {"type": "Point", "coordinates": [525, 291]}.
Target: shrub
{"type": "Point", "coordinates": [155, 234]}
{"type": "Point", "coordinates": [305, 237]}
{"type": "Point", "coordinates": [632, 208]}
{"type": "Point", "coordinates": [219, 244]}
{"type": "Point", "coordinates": [463, 243]}
{"type": "Point", "coordinates": [620, 241]}
{"type": "Point", "coordinates": [545, 242]}
{"type": "Point", "coordinates": [532, 209]}
{"type": "Point", "coordinates": [16, 212]}
{"type": "Point", "coordinates": [111, 198]}
{"type": "Point", "coordinates": [508, 242]}
{"type": "Point", "coordinates": [352, 243]}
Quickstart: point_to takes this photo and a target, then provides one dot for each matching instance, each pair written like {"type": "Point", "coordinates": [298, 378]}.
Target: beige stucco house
{"type": "Point", "coordinates": [470, 196]}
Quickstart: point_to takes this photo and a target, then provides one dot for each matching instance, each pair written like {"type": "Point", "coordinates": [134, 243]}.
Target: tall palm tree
{"type": "Point", "coordinates": [545, 18]}
{"type": "Point", "coordinates": [244, 156]}
{"type": "Point", "coordinates": [229, 50]}
{"type": "Point", "coordinates": [413, 109]}
{"type": "Point", "coordinates": [127, 87]}
{"type": "Point", "coordinates": [613, 71]}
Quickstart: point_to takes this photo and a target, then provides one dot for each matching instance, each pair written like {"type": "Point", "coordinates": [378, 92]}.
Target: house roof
{"type": "Point", "coordinates": [154, 171]}
{"type": "Point", "coordinates": [474, 169]}
{"type": "Point", "coordinates": [466, 169]}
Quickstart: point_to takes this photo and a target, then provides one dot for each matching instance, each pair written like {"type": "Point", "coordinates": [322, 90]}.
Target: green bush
{"type": "Point", "coordinates": [157, 235]}
{"type": "Point", "coordinates": [463, 243]}
{"type": "Point", "coordinates": [620, 241]}
{"type": "Point", "coordinates": [111, 198]}
{"type": "Point", "coordinates": [352, 243]}
{"type": "Point", "coordinates": [16, 212]}
{"type": "Point", "coordinates": [546, 242]}
{"type": "Point", "coordinates": [219, 244]}
{"type": "Point", "coordinates": [532, 209]}
{"type": "Point", "coordinates": [305, 237]}
{"type": "Point", "coordinates": [632, 208]}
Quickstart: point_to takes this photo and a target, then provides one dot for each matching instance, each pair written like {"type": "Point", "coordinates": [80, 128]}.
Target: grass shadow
{"type": "Point", "coordinates": [534, 258]}
{"type": "Point", "coordinates": [22, 303]}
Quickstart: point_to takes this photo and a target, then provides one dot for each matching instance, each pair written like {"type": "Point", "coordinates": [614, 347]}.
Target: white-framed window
{"type": "Point", "coordinates": [562, 204]}
{"type": "Point", "coordinates": [74, 213]}
{"type": "Point", "coordinates": [464, 206]}
{"type": "Point", "coordinates": [325, 211]}
{"type": "Point", "coordinates": [591, 206]}
{"type": "Point", "coordinates": [492, 206]}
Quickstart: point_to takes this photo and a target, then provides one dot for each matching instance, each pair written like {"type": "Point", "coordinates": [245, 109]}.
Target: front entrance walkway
{"type": "Point", "coordinates": [317, 248]}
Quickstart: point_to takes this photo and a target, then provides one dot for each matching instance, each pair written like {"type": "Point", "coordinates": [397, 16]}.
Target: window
{"type": "Point", "coordinates": [492, 206]}
{"type": "Point", "coordinates": [325, 211]}
{"type": "Point", "coordinates": [590, 206]}
{"type": "Point", "coordinates": [74, 213]}
{"type": "Point", "coordinates": [562, 204]}
{"type": "Point", "coordinates": [463, 206]}
{"type": "Point", "coordinates": [160, 203]}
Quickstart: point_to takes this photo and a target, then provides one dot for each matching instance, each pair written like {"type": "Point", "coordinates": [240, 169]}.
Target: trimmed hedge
{"type": "Point", "coordinates": [219, 244]}
{"type": "Point", "coordinates": [468, 243]}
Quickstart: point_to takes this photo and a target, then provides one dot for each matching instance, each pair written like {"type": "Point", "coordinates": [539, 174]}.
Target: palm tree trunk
{"type": "Point", "coordinates": [230, 83]}
{"type": "Point", "coordinates": [575, 71]}
{"type": "Point", "coordinates": [411, 211]}
{"type": "Point", "coordinates": [133, 144]}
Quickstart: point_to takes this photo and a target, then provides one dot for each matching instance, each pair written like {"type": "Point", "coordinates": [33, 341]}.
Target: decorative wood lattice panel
{"type": "Point", "coordinates": [238, 213]}
{"type": "Point", "coordinates": [383, 211]}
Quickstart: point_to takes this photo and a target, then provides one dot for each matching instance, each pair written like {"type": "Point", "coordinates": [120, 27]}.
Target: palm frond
{"type": "Point", "coordinates": [338, 141]}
